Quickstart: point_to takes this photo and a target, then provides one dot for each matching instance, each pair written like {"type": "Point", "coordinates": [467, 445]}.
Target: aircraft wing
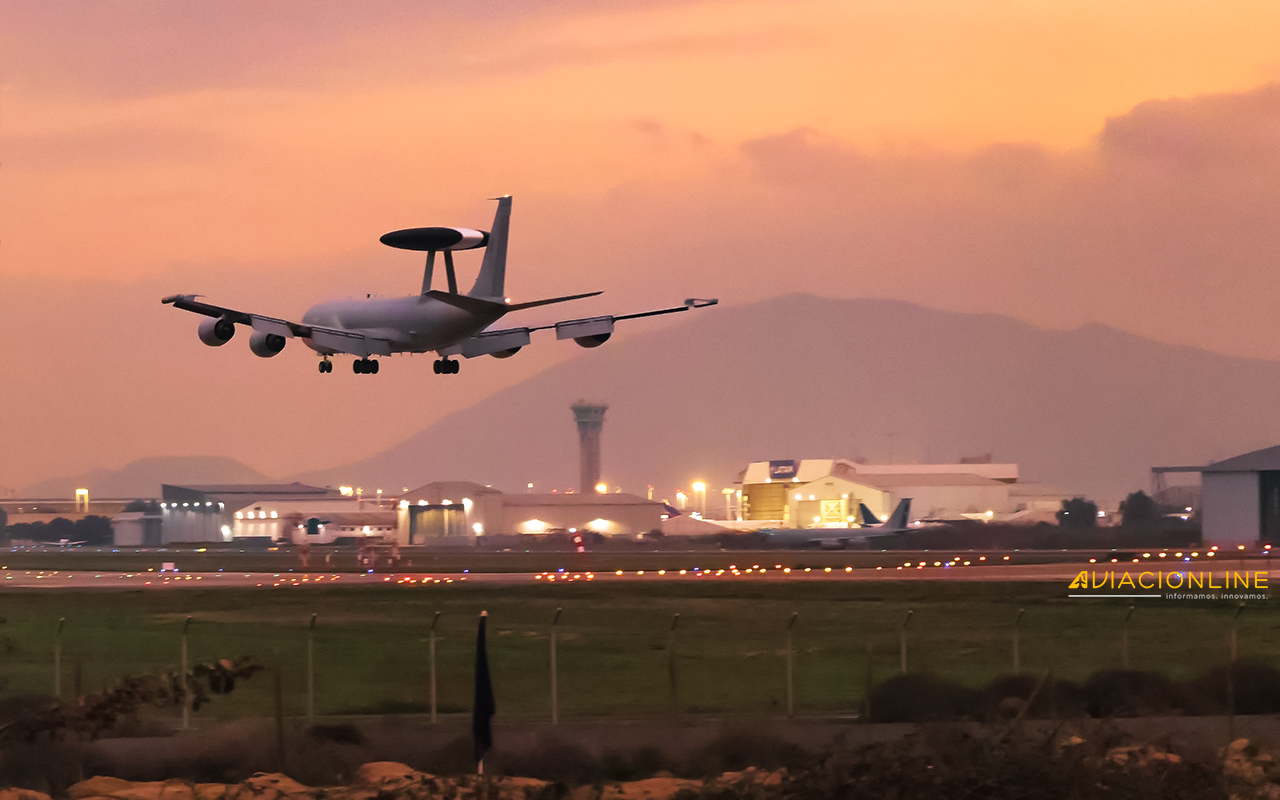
{"type": "Point", "coordinates": [336, 339]}
{"type": "Point", "coordinates": [586, 331]}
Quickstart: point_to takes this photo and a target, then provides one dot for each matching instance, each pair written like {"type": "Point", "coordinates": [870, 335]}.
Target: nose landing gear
{"type": "Point", "coordinates": [326, 366]}
{"type": "Point", "coordinates": [446, 366]}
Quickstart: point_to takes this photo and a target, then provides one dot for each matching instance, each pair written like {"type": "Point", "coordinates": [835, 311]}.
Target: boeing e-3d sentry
{"type": "Point", "coordinates": [445, 322]}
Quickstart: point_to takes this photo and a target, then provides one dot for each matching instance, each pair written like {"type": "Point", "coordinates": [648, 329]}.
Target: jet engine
{"type": "Point", "coordinates": [266, 345]}
{"type": "Point", "coordinates": [591, 332]}
{"type": "Point", "coordinates": [216, 332]}
{"type": "Point", "coordinates": [592, 341]}
{"type": "Point", "coordinates": [506, 353]}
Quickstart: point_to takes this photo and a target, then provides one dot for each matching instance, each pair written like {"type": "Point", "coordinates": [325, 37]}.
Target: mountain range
{"type": "Point", "coordinates": [1089, 410]}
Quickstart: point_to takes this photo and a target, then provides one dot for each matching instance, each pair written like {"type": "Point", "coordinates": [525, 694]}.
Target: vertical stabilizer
{"type": "Point", "coordinates": [869, 517]}
{"type": "Point", "coordinates": [491, 281]}
{"type": "Point", "coordinates": [898, 519]}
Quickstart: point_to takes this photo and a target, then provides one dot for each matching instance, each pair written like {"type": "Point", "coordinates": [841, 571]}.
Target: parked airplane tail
{"type": "Point", "coordinates": [900, 516]}
{"type": "Point", "coordinates": [868, 516]}
{"type": "Point", "coordinates": [896, 521]}
{"type": "Point", "coordinates": [491, 282]}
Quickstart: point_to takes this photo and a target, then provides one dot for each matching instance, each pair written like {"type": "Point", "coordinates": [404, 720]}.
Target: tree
{"type": "Point", "coordinates": [1078, 513]}
{"type": "Point", "coordinates": [1138, 509]}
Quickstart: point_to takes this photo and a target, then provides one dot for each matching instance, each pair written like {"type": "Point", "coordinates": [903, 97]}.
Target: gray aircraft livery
{"type": "Point", "coordinates": [445, 322]}
{"type": "Point", "coordinates": [836, 538]}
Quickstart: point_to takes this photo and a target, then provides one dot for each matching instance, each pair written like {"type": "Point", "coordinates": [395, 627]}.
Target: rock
{"type": "Point", "coordinates": [210, 791]}
{"type": "Point", "coordinates": [117, 789]}
{"type": "Point", "coordinates": [97, 786]}
{"type": "Point", "coordinates": [267, 786]}
{"type": "Point", "coordinates": [649, 789]}
{"type": "Point", "coordinates": [22, 794]}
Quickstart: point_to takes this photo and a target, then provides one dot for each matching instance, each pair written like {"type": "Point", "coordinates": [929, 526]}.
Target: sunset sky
{"type": "Point", "coordinates": [1059, 162]}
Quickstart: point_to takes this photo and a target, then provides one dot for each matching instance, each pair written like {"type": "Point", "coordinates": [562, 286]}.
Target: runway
{"type": "Point", "coordinates": [917, 571]}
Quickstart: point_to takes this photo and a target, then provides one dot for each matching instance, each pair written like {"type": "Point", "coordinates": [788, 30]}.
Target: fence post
{"type": "Point", "coordinates": [555, 685]}
{"type": "Point", "coordinates": [902, 641]}
{"type": "Point", "coordinates": [57, 658]}
{"type": "Point", "coordinates": [1231, 667]}
{"type": "Point", "coordinates": [279, 692]}
{"type": "Point", "coordinates": [1124, 640]}
{"type": "Point", "coordinates": [186, 687]}
{"type": "Point", "coordinates": [311, 672]}
{"type": "Point", "coordinates": [867, 692]}
{"type": "Point", "coordinates": [1016, 661]}
{"type": "Point", "coordinates": [671, 662]}
{"type": "Point", "coordinates": [432, 648]}
{"type": "Point", "coordinates": [791, 709]}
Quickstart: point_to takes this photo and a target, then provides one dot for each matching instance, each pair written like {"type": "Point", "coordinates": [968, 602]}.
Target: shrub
{"type": "Point", "coordinates": [1130, 693]}
{"type": "Point", "coordinates": [918, 697]}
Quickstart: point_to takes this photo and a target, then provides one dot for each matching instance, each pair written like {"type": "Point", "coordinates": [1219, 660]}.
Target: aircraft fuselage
{"type": "Point", "coordinates": [415, 324]}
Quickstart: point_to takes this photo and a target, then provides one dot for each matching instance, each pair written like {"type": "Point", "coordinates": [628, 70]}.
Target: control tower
{"type": "Point", "coordinates": [590, 419]}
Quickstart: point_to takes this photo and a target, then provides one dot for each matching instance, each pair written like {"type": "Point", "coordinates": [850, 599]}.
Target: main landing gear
{"type": "Point", "coordinates": [326, 366]}
{"type": "Point", "coordinates": [446, 366]}
{"type": "Point", "coordinates": [364, 366]}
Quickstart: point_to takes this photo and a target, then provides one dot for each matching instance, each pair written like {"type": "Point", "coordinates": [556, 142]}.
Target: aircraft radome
{"type": "Point", "coordinates": [445, 322]}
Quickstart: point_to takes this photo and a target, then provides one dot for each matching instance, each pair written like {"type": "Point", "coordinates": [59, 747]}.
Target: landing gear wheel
{"type": "Point", "coordinates": [373, 366]}
{"type": "Point", "coordinates": [357, 366]}
{"type": "Point", "coordinates": [454, 366]}
{"type": "Point", "coordinates": [445, 366]}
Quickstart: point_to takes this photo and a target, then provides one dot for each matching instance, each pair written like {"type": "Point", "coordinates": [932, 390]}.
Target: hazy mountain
{"type": "Point", "coordinates": [1090, 409]}
{"type": "Point", "coordinates": [142, 478]}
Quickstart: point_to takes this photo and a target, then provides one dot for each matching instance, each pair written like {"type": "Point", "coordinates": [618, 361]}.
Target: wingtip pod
{"type": "Point", "coordinates": [701, 302]}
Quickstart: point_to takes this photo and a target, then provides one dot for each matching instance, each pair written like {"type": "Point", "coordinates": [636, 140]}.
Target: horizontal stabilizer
{"type": "Point", "coordinates": [549, 301]}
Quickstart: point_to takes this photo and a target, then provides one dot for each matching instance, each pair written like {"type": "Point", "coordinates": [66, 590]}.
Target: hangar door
{"type": "Point", "coordinates": [1269, 493]}
{"type": "Point", "coordinates": [765, 500]}
{"type": "Point", "coordinates": [435, 522]}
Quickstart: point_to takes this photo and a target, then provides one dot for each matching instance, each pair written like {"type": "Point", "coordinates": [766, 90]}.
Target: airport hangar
{"type": "Point", "coordinates": [456, 512]}
{"type": "Point", "coordinates": [1240, 498]}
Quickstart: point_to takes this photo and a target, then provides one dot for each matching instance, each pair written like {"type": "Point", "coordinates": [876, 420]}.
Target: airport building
{"type": "Point", "coordinates": [458, 512]}
{"type": "Point", "coordinates": [1240, 499]}
{"type": "Point", "coordinates": [827, 492]}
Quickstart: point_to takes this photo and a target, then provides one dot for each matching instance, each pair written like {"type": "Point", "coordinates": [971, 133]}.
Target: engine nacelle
{"type": "Point", "coordinates": [591, 332]}
{"type": "Point", "coordinates": [266, 345]}
{"type": "Point", "coordinates": [216, 332]}
{"type": "Point", "coordinates": [506, 353]}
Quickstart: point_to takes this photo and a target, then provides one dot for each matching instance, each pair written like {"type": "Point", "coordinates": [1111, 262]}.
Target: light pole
{"type": "Point", "coordinates": [1016, 620]}
{"type": "Point", "coordinates": [791, 709]}
{"type": "Point", "coordinates": [186, 688]}
{"type": "Point", "coordinates": [432, 649]}
{"type": "Point", "coordinates": [902, 642]}
{"type": "Point", "coordinates": [555, 689]}
{"type": "Point", "coordinates": [57, 659]}
{"type": "Point", "coordinates": [700, 497]}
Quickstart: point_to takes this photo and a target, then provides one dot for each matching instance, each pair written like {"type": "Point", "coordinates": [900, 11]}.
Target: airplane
{"type": "Point", "coordinates": [837, 538]}
{"type": "Point", "coordinates": [447, 322]}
